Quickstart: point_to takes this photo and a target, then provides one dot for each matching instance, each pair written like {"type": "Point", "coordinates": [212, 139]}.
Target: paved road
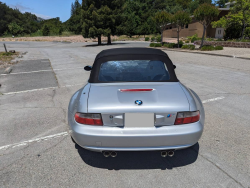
{"type": "Point", "coordinates": [35, 149]}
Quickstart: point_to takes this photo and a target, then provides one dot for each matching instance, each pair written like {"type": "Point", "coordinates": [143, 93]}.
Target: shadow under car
{"type": "Point", "coordinates": [139, 159]}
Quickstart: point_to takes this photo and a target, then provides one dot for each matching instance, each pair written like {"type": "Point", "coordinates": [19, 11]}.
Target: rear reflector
{"type": "Point", "coordinates": [187, 117]}
{"type": "Point", "coordinates": [134, 90]}
{"type": "Point", "coordinates": [88, 119]}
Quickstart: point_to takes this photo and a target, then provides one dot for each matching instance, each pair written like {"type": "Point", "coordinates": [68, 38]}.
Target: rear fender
{"type": "Point", "coordinates": [194, 102]}
{"type": "Point", "coordinates": [79, 101]}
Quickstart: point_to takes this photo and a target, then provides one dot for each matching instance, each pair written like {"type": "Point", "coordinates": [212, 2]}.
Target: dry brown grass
{"type": "Point", "coordinates": [5, 59]}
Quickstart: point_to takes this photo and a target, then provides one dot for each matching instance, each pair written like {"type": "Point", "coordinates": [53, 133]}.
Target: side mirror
{"type": "Point", "coordinates": [88, 68]}
{"type": "Point", "coordinates": [174, 66]}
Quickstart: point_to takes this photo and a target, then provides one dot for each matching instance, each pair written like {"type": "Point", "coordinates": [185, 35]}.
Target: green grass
{"type": "Point", "coordinates": [5, 58]}
{"type": "Point", "coordinates": [6, 53]}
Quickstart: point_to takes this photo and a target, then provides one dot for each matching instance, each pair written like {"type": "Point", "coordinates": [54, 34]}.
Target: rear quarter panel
{"type": "Point", "coordinates": [78, 100]}
{"type": "Point", "coordinates": [194, 102]}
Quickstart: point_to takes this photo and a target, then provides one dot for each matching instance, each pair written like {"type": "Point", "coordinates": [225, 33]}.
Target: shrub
{"type": "Point", "coordinates": [45, 30]}
{"type": "Point", "coordinates": [169, 45]}
{"type": "Point", "coordinates": [218, 47]}
{"type": "Point", "coordinates": [247, 32]}
{"type": "Point", "coordinates": [158, 39]}
{"type": "Point", "coordinates": [209, 39]}
{"type": "Point", "coordinates": [185, 47]}
{"type": "Point", "coordinates": [176, 45]}
{"type": "Point", "coordinates": [37, 33]}
{"type": "Point", "coordinates": [186, 41]}
{"type": "Point", "coordinates": [158, 45]}
{"type": "Point", "coordinates": [181, 42]}
{"type": "Point", "coordinates": [67, 33]}
{"type": "Point", "coordinates": [173, 45]}
{"type": "Point", "coordinates": [207, 48]}
{"type": "Point", "coordinates": [152, 44]}
{"type": "Point", "coordinates": [190, 47]}
{"type": "Point", "coordinates": [152, 39]}
{"type": "Point", "coordinates": [155, 45]}
{"type": "Point", "coordinates": [147, 39]}
{"type": "Point", "coordinates": [193, 38]}
{"type": "Point", "coordinates": [233, 32]}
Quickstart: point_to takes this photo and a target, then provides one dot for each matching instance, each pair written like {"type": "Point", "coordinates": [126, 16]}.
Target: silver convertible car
{"type": "Point", "coordinates": [133, 101]}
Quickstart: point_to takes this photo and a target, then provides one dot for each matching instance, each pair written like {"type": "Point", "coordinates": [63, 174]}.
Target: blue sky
{"type": "Point", "coordinates": [43, 8]}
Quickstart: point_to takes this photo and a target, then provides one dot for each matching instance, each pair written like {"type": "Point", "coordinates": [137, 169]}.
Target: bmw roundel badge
{"type": "Point", "coordinates": [138, 102]}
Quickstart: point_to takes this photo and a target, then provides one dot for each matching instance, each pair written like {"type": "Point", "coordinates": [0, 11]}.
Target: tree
{"type": "Point", "coordinates": [100, 17]}
{"type": "Point", "coordinates": [184, 4]}
{"type": "Point", "coordinates": [239, 16]}
{"type": "Point", "coordinates": [231, 24]}
{"type": "Point", "coordinates": [205, 14]}
{"type": "Point", "coordinates": [241, 10]}
{"type": "Point", "coordinates": [74, 7]}
{"type": "Point", "coordinates": [14, 28]}
{"type": "Point", "coordinates": [247, 32]}
{"type": "Point", "coordinates": [221, 3]}
{"type": "Point", "coordinates": [180, 19]}
{"type": "Point", "coordinates": [74, 23]}
{"type": "Point", "coordinates": [131, 20]}
{"type": "Point", "coordinates": [45, 30]}
{"type": "Point", "coordinates": [162, 18]}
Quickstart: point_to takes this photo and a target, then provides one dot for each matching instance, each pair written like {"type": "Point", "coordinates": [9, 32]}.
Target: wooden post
{"type": "Point", "coordinates": [5, 47]}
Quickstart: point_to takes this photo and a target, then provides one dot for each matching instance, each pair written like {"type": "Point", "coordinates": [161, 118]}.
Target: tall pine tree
{"type": "Point", "coordinates": [101, 17]}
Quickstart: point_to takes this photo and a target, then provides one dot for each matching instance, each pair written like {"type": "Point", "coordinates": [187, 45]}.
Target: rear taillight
{"type": "Point", "coordinates": [187, 117]}
{"type": "Point", "coordinates": [88, 119]}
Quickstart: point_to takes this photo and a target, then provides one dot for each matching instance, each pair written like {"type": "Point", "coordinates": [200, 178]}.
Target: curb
{"type": "Point", "coordinates": [167, 49]}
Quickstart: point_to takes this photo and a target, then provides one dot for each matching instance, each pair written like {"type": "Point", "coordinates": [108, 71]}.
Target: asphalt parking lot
{"type": "Point", "coordinates": [36, 150]}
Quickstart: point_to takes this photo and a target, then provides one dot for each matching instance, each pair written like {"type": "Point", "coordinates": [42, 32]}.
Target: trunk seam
{"type": "Point", "coordinates": [88, 99]}
{"type": "Point", "coordinates": [185, 95]}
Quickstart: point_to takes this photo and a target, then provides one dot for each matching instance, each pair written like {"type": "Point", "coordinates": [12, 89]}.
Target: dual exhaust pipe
{"type": "Point", "coordinates": [169, 153]}
{"type": "Point", "coordinates": [109, 153]}
{"type": "Point", "coordinates": [166, 153]}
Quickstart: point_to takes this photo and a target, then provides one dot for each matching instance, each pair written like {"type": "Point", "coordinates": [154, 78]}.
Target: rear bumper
{"type": "Point", "coordinates": [135, 139]}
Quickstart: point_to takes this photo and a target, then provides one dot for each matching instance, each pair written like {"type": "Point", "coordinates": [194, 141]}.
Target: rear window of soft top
{"type": "Point", "coordinates": [133, 71]}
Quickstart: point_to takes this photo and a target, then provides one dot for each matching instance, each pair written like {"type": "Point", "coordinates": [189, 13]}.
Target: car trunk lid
{"type": "Point", "coordinates": [164, 100]}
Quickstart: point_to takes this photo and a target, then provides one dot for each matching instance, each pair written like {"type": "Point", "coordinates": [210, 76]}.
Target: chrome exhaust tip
{"type": "Point", "coordinates": [164, 153]}
{"type": "Point", "coordinates": [106, 153]}
{"type": "Point", "coordinates": [113, 154]}
{"type": "Point", "coordinates": [171, 153]}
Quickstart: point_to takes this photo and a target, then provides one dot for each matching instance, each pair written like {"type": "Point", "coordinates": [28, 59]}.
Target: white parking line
{"type": "Point", "coordinates": [26, 72]}
{"type": "Point", "coordinates": [214, 99]}
{"type": "Point", "coordinates": [49, 70]}
{"type": "Point", "coordinates": [24, 143]}
{"type": "Point", "coordinates": [34, 140]}
{"type": "Point", "coordinates": [26, 91]}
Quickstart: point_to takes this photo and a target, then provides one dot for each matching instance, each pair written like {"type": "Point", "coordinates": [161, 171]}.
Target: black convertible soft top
{"type": "Point", "coordinates": [130, 51]}
{"type": "Point", "coordinates": [116, 54]}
